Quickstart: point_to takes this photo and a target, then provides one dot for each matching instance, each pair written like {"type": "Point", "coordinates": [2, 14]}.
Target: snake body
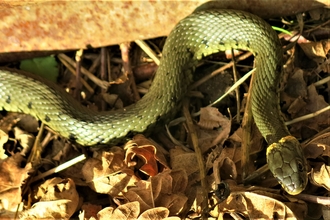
{"type": "Point", "coordinates": [198, 35]}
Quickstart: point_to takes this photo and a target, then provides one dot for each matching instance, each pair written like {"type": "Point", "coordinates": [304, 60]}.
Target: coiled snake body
{"type": "Point", "coordinates": [198, 35]}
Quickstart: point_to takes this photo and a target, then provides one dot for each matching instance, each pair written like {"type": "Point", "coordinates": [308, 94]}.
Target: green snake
{"type": "Point", "coordinates": [198, 35]}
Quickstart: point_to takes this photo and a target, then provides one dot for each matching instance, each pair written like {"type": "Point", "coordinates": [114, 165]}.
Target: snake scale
{"type": "Point", "coordinates": [198, 35]}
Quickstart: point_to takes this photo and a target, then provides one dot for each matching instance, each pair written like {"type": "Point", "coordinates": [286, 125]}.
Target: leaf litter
{"type": "Point", "coordinates": [156, 179]}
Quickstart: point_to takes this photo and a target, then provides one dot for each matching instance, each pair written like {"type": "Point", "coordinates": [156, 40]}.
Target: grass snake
{"type": "Point", "coordinates": [198, 35]}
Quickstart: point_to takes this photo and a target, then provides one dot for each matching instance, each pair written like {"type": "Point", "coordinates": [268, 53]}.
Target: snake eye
{"type": "Point", "coordinates": [300, 166]}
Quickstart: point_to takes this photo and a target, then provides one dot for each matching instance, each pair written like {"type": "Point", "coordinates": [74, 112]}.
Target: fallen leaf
{"type": "Point", "coordinates": [129, 210]}
{"type": "Point", "coordinates": [318, 146]}
{"type": "Point", "coordinates": [147, 155]}
{"type": "Point", "coordinates": [211, 118]}
{"type": "Point", "coordinates": [154, 213]}
{"type": "Point", "coordinates": [213, 128]}
{"type": "Point", "coordinates": [182, 160]}
{"type": "Point", "coordinates": [307, 128]}
{"type": "Point", "coordinates": [107, 172]}
{"type": "Point", "coordinates": [11, 179]}
{"type": "Point", "coordinates": [158, 192]}
{"type": "Point", "coordinates": [316, 51]}
{"type": "Point", "coordinates": [90, 210]}
{"type": "Point", "coordinates": [257, 206]}
{"type": "Point", "coordinates": [57, 198]}
{"type": "Point", "coordinates": [320, 175]}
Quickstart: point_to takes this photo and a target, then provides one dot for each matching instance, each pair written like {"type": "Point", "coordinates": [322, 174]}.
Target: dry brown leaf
{"type": "Point", "coordinates": [90, 210]}
{"type": "Point", "coordinates": [28, 123]}
{"type": "Point", "coordinates": [318, 146]}
{"type": "Point", "coordinates": [174, 202]}
{"type": "Point", "coordinates": [6, 125]}
{"type": "Point", "coordinates": [206, 138]}
{"type": "Point", "coordinates": [58, 209]}
{"type": "Point", "coordinates": [165, 194]}
{"type": "Point", "coordinates": [158, 193]}
{"type": "Point", "coordinates": [211, 118]}
{"type": "Point", "coordinates": [145, 153]}
{"type": "Point", "coordinates": [11, 179]}
{"type": "Point", "coordinates": [296, 106]}
{"type": "Point", "coordinates": [129, 210]}
{"type": "Point", "coordinates": [224, 168]}
{"type": "Point", "coordinates": [154, 213]}
{"type": "Point", "coordinates": [25, 139]}
{"type": "Point", "coordinates": [142, 195]}
{"type": "Point", "coordinates": [9, 121]}
{"type": "Point", "coordinates": [236, 139]}
{"type": "Point", "coordinates": [295, 92]}
{"type": "Point", "coordinates": [316, 51]}
{"type": "Point", "coordinates": [162, 183]}
{"type": "Point", "coordinates": [107, 173]}
{"type": "Point", "coordinates": [141, 140]}
{"type": "Point", "coordinates": [255, 206]}
{"type": "Point", "coordinates": [105, 213]}
{"type": "Point", "coordinates": [180, 181]}
{"type": "Point", "coordinates": [3, 139]}
{"type": "Point", "coordinates": [320, 175]}
{"type": "Point", "coordinates": [307, 128]}
{"type": "Point", "coordinates": [57, 198]}
{"type": "Point", "coordinates": [182, 160]}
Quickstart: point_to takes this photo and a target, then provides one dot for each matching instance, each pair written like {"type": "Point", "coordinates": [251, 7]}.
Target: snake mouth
{"type": "Point", "coordinates": [291, 186]}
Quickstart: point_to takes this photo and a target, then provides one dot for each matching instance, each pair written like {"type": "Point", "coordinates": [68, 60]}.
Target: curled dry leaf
{"type": "Point", "coordinates": [25, 139]}
{"type": "Point", "coordinates": [255, 206]}
{"type": "Point", "coordinates": [318, 146]}
{"type": "Point", "coordinates": [224, 168]}
{"type": "Point", "coordinates": [6, 124]}
{"type": "Point", "coordinates": [316, 51]}
{"type": "Point", "coordinates": [57, 198]}
{"type": "Point", "coordinates": [320, 175]}
{"type": "Point", "coordinates": [143, 154]}
{"type": "Point", "coordinates": [147, 155]}
{"type": "Point", "coordinates": [107, 173]}
{"type": "Point", "coordinates": [11, 179]}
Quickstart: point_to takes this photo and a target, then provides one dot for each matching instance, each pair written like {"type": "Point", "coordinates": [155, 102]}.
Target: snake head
{"type": "Point", "coordinates": [287, 163]}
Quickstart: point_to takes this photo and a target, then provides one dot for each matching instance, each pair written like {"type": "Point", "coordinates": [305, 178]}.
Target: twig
{"type": "Point", "coordinates": [199, 155]}
{"type": "Point", "coordinates": [305, 117]}
{"type": "Point", "coordinates": [60, 167]}
{"type": "Point", "coordinates": [148, 51]}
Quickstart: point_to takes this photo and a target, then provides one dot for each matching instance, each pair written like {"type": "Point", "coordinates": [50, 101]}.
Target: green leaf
{"type": "Point", "coordinates": [45, 67]}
